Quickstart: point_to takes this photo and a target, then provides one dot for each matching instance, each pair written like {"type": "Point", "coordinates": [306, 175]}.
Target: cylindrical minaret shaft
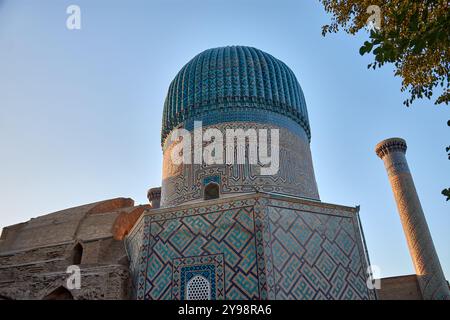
{"type": "Point", "coordinates": [426, 262]}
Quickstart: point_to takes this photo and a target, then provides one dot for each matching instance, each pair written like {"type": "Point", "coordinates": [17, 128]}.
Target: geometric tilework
{"type": "Point", "coordinates": [227, 234]}
{"type": "Point", "coordinates": [251, 247]}
{"type": "Point", "coordinates": [315, 256]}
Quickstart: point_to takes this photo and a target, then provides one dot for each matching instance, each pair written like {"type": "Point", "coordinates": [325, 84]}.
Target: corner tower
{"type": "Point", "coordinates": [237, 88]}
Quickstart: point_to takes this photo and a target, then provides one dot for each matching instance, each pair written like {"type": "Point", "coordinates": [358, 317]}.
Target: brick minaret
{"type": "Point", "coordinates": [426, 262]}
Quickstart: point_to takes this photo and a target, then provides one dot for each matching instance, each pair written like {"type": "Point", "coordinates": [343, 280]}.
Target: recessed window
{"type": "Point", "coordinates": [77, 254]}
{"type": "Point", "coordinates": [198, 288]}
{"type": "Point", "coordinates": [211, 191]}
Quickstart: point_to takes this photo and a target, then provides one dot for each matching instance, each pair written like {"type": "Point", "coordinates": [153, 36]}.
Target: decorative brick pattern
{"type": "Point", "coordinates": [315, 256]}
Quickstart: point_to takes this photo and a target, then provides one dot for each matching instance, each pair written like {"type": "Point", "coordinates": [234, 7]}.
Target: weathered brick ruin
{"type": "Point", "coordinates": [34, 255]}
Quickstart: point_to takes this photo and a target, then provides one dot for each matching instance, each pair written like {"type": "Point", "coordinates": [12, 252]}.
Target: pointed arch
{"type": "Point", "coordinates": [59, 293]}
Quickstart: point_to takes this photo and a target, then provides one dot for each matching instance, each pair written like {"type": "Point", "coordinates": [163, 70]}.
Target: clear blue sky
{"type": "Point", "coordinates": [80, 111]}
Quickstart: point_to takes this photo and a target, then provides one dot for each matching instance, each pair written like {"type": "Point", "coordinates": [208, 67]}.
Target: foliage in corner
{"type": "Point", "coordinates": [446, 192]}
{"type": "Point", "coordinates": [413, 35]}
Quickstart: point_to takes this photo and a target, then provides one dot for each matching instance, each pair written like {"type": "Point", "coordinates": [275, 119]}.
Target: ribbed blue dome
{"type": "Point", "coordinates": [235, 78]}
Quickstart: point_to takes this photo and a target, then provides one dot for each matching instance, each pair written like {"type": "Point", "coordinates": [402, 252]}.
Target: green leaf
{"type": "Point", "coordinates": [446, 193]}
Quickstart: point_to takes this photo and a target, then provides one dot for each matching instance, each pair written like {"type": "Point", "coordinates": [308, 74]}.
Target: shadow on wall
{"type": "Point", "coordinates": [77, 254]}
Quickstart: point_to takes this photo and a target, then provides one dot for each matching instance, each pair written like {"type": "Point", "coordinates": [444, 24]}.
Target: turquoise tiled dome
{"type": "Point", "coordinates": [234, 80]}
